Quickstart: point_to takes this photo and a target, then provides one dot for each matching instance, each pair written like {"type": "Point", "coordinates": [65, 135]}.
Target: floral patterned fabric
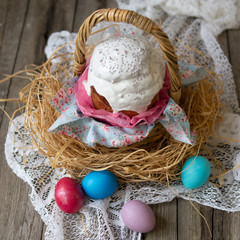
{"type": "Point", "coordinates": [64, 101]}
{"type": "Point", "coordinates": [190, 73]}
{"type": "Point", "coordinates": [73, 123]}
{"type": "Point", "coordinates": [92, 132]}
{"type": "Point", "coordinates": [175, 121]}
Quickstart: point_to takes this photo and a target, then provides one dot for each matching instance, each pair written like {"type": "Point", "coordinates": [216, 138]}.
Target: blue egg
{"type": "Point", "coordinates": [99, 184]}
{"type": "Point", "coordinates": [197, 174]}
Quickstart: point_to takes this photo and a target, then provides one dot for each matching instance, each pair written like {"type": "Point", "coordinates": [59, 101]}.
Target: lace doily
{"type": "Point", "coordinates": [100, 219]}
{"type": "Point", "coordinates": [218, 15]}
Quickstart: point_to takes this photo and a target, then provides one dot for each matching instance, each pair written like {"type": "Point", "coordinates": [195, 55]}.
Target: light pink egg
{"type": "Point", "coordinates": [138, 216]}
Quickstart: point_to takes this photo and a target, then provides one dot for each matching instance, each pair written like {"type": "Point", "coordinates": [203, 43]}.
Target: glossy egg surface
{"type": "Point", "coordinates": [195, 172]}
{"type": "Point", "coordinates": [99, 184]}
{"type": "Point", "coordinates": [69, 195]}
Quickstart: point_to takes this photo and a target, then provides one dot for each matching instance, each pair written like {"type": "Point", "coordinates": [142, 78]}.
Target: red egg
{"type": "Point", "coordinates": [69, 195]}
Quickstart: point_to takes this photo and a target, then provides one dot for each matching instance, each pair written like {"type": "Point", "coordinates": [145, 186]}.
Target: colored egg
{"type": "Point", "coordinates": [197, 171]}
{"type": "Point", "coordinates": [69, 195]}
{"type": "Point", "coordinates": [138, 216]}
{"type": "Point", "coordinates": [99, 184]}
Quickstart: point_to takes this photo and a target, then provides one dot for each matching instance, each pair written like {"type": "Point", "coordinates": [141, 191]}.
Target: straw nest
{"type": "Point", "coordinates": [157, 158]}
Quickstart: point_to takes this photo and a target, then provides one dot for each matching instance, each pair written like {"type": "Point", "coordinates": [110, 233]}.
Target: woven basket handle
{"type": "Point", "coordinates": [143, 23]}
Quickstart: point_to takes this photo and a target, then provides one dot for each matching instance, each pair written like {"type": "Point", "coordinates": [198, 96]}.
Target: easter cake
{"type": "Point", "coordinates": [125, 75]}
{"type": "Point", "coordinates": [114, 79]}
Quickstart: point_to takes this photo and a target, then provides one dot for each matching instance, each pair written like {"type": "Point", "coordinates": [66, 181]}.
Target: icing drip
{"type": "Point", "coordinates": [127, 72]}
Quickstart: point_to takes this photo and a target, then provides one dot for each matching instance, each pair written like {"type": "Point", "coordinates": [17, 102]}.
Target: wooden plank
{"type": "Point", "coordinates": [60, 16]}
{"type": "Point", "coordinates": [11, 25]}
{"type": "Point", "coordinates": [3, 14]}
{"type": "Point", "coordinates": [226, 225]}
{"type": "Point", "coordinates": [223, 41]}
{"type": "Point", "coordinates": [111, 4]}
{"type": "Point", "coordinates": [166, 221]}
{"type": "Point", "coordinates": [11, 28]}
{"type": "Point", "coordinates": [84, 9]}
{"type": "Point", "coordinates": [32, 225]}
{"type": "Point", "coordinates": [191, 226]}
{"type": "Point", "coordinates": [49, 15]}
{"type": "Point", "coordinates": [18, 218]}
{"type": "Point", "coordinates": [43, 232]}
{"type": "Point", "coordinates": [234, 55]}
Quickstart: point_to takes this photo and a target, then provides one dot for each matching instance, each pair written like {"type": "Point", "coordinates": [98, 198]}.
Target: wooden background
{"type": "Point", "coordinates": [24, 29]}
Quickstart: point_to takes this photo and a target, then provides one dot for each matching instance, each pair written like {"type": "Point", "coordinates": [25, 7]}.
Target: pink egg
{"type": "Point", "coordinates": [138, 216]}
{"type": "Point", "coordinates": [69, 195]}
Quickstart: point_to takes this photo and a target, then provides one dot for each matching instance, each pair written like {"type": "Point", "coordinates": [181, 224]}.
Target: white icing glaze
{"type": "Point", "coordinates": [127, 72]}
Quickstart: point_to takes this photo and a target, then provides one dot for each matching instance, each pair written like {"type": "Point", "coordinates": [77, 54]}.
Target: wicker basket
{"type": "Point", "coordinates": [157, 157]}
{"type": "Point", "coordinates": [151, 159]}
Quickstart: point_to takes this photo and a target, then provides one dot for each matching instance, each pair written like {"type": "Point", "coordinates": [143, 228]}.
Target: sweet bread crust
{"type": "Point", "coordinates": [100, 102]}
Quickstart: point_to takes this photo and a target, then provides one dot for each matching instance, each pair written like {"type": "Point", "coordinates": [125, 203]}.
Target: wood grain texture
{"type": "Point", "coordinates": [166, 221]}
{"type": "Point", "coordinates": [111, 4]}
{"type": "Point", "coordinates": [18, 218]}
{"type": "Point", "coordinates": [191, 226]}
{"type": "Point", "coordinates": [11, 27]}
{"type": "Point", "coordinates": [223, 42]}
{"type": "Point", "coordinates": [84, 9]}
{"type": "Point", "coordinates": [226, 225]}
{"type": "Point", "coordinates": [60, 16]}
{"type": "Point", "coordinates": [43, 232]}
{"type": "Point", "coordinates": [11, 197]}
{"type": "Point", "coordinates": [234, 55]}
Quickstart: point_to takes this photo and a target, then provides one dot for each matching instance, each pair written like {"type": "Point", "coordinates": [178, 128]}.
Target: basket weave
{"type": "Point", "coordinates": [143, 23]}
{"type": "Point", "coordinates": [158, 157]}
